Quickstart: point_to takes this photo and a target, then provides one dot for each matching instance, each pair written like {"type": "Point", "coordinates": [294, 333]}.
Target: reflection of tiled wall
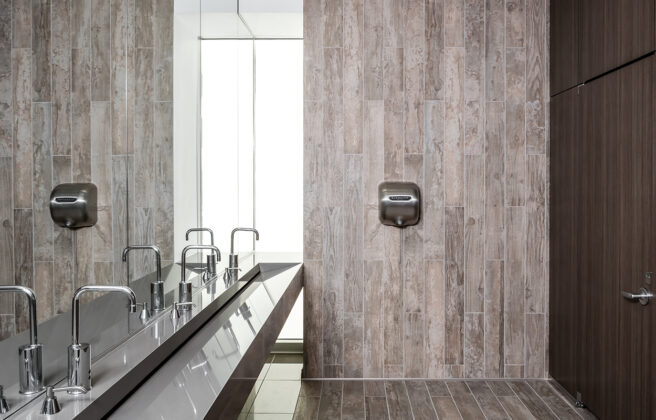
{"type": "Point", "coordinates": [451, 94]}
{"type": "Point", "coordinates": [73, 84]}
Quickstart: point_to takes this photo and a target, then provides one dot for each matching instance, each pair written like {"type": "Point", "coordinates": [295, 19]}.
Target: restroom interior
{"type": "Point", "coordinates": [325, 209]}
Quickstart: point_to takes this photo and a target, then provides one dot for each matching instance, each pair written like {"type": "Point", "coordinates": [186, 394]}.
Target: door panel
{"type": "Point", "coordinates": [612, 33]}
{"type": "Point", "coordinates": [564, 52]}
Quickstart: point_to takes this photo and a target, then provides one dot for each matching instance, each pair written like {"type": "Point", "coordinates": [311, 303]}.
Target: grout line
{"type": "Point", "coordinates": [541, 399]}
{"type": "Point", "coordinates": [452, 400]}
{"type": "Point", "coordinates": [475, 399]}
{"type": "Point", "coordinates": [497, 399]}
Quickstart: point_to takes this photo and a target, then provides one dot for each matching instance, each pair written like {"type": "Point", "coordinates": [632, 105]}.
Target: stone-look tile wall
{"type": "Point", "coordinates": [450, 94]}
{"type": "Point", "coordinates": [84, 97]}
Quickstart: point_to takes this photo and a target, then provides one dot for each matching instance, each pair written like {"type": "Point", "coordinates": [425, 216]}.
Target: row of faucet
{"type": "Point", "coordinates": [79, 354]}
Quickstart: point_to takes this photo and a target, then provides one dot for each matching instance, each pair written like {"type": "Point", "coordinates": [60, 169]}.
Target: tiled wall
{"type": "Point", "coordinates": [450, 94]}
{"type": "Point", "coordinates": [85, 96]}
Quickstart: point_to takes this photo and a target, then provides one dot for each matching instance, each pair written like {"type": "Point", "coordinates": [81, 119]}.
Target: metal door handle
{"type": "Point", "coordinates": [642, 296]}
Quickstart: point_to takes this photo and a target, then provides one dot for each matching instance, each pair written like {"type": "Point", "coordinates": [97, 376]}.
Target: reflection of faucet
{"type": "Point", "coordinates": [233, 260]}
{"type": "Point", "coordinates": [246, 313]}
{"type": "Point", "coordinates": [50, 405]}
{"type": "Point", "coordinates": [30, 366]}
{"type": "Point", "coordinates": [184, 288]}
{"type": "Point", "coordinates": [211, 259]}
{"type": "Point", "coordinates": [156, 287]}
{"type": "Point", "coordinates": [79, 354]}
{"type": "Point", "coordinates": [4, 407]}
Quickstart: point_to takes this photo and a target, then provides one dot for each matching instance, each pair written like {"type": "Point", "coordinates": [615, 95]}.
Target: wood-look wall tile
{"type": "Point", "coordinates": [8, 324]}
{"type": "Point", "coordinates": [515, 23]}
{"type": "Point", "coordinates": [23, 263]}
{"type": "Point", "coordinates": [6, 232]}
{"type": "Point", "coordinates": [435, 319]}
{"type": "Point", "coordinates": [475, 50]}
{"type": "Point", "coordinates": [143, 130]}
{"type": "Point", "coordinates": [413, 345]}
{"type": "Point", "coordinates": [42, 182]}
{"type": "Point", "coordinates": [22, 23]}
{"type": "Point", "coordinates": [373, 320]}
{"type": "Point", "coordinates": [536, 76]}
{"type": "Point", "coordinates": [353, 74]}
{"type": "Point", "coordinates": [63, 244]}
{"type": "Point", "coordinates": [373, 50]}
{"type": "Point", "coordinates": [101, 151]}
{"type": "Point", "coordinates": [44, 290]}
{"type": "Point", "coordinates": [120, 224]}
{"type": "Point", "coordinates": [454, 283]}
{"type": "Point", "coordinates": [143, 18]}
{"type": "Point", "coordinates": [333, 286]}
{"type": "Point", "coordinates": [536, 234]}
{"type": "Point", "coordinates": [353, 234]}
{"type": "Point", "coordinates": [119, 68]}
{"type": "Point", "coordinates": [434, 189]}
{"type": "Point", "coordinates": [142, 231]}
{"type": "Point", "coordinates": [474, 345]}
{"type": "Point", "coordinates": [393, 80]}
{"type": "Point", "coordinates": [474, 128]}
{"type": "Point", "coordinates": [163, 151]}
{"type": "Point", "coordinates": [393, 131]}
{"type": "Point", "coordinates": [333, 155]}
{"type": "Point", "coordinates": [41, 50]}
{"type": "Point", "coordinates": [61, 25]}
{"type": "Point", "coordinates": [413, 243]}
{"type": "Point", "coordinates": [454, 23]}
{"type": "Point", "coordinates": [6, 96]}
{"type": "Point", "coordinates": [5, 24]}
{"type": "Point", "coordinates": [81, 108]}
{"type": "Point", "coordinates": [102, 236]}
{"type": "Point", "coordinates": [474, 232]}
{"type": "Point", "coordinates": [102, 272]}
{"type": "Point", "coordinates": [22, 94]}
{"type": "Point", "coordinates": [80, 23]}
{"type": "Point", "coordinates": [163, 50]}
{"type": "Point", "coordinates": [414, 99]}
{"type": "Point", "coordinates": [415, 28]}
{"type": "Point", "coordinates": [373, 166]}
{"type": "Point", "coordinates": [312, 50]}
{"type": "Point", "coordinates": [494, 319]}
{"type": "Point", "coordinates": [333, 19]}
{"type": "Point", "coordinates": [494, 182]}
{"type": "Point", "coordinates": [313, 324]}
{"type": "Point", "coordinates": [83, 269]}
{"type": "Point", "coordinates": [100, 50]}
{"type": "Point", "coordinates": [513, 371]}
{"type": "Point", "coordinates": [454, 127]}
{"type": "Point", "coordinates": [393, 297]}
{"type": "Point", "coordinates": [397, 400]}
{"type": "Point", "coordinates": [393, 20]}
{"type": "Point", "coordinates": [454, 371]}
{"type": "Point", "coordinates": [514, 285]}
{"type": "Point", "coordinates": [515, 127]}
{"type": "Point", "coordinates": [434, 54]}
{"type": "Point", "coordinates": [313, 176]}
{"type": "Point", "coordinates": [494, 49]}
{"type": "Point", "coordinates": [535, 346]}
{"type": "Point", "coordinates": [61, 101]}
{"type": "Point", "coordinates": [353, 344]}
{"type": "Point", "coordinates": [394, 371]}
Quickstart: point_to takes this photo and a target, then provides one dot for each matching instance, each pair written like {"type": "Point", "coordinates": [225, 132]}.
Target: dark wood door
{"type": "Point", "coordinates": [604, 241]}
{"type": "Point", "coordinates": [564, 54]}
{"type": "Point", "coordinates": [613, 33]}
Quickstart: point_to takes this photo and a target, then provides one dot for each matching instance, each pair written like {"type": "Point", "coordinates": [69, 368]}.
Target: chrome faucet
{"type": "Point", "coordinates": [184, 288]}
{"type": "Point", "coordinates": [79, 354]}
{"type": "Point", "coordinates": [211, 259]}
{"type": "Point", "coordinates": [156, 287]}
{"type": "Point", "coordinates": [233, 259]}
{"type": "Point", "coordinates": [30, 356]}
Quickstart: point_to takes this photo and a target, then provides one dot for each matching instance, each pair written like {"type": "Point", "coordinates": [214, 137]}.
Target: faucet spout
{"type": "Point", "coordinates": [188, 248]}
{"type": "Point", "coordinates": [157, 287]}
{"type": "Point", "coordinates": [93, 288]}
{"type": "Point", "coordinates": [241, 229]}
{"type": "Point", "coordinates": [31, 297]}
{"type": "Point", "coordinates": [158, 257]}
{"type": "Point", "coordinates": [201, 229]}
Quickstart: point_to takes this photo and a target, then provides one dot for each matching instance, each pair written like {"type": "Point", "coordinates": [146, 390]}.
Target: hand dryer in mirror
{"type": "Point", "coordinates": [399, 203]}
{"type": "Point", "coordinates": [74, 206]}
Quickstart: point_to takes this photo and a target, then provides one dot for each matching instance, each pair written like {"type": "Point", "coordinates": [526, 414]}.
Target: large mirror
{"type": "Point", "coordinates": [110, 93]}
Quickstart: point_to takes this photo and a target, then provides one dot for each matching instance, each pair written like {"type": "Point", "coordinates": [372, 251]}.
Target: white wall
{"type": "Point", "coordinates": [186, 137]}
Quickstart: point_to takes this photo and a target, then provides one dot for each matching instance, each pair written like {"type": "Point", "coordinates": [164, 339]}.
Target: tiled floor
{"type": "Point", "coordinates": [280, 394]}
